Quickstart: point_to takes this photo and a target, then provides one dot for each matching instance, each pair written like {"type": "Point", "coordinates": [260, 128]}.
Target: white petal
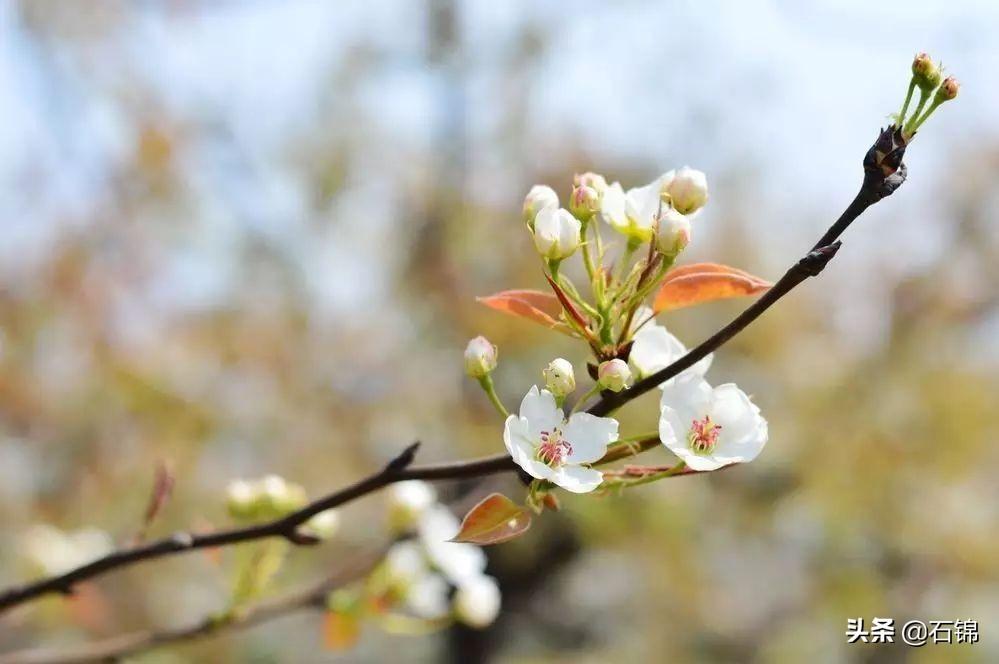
{"type": "Point", "coordinates": [477, 601]}
{"type": "Point", "coordinates": [577, 479]}
{"type": "Point", "coordinates": [455, 560]}
{"type": "Point", "coordinates": [688, 395]}
{"type": "Point", "coordinates": [589, 436]}
{"type": "Point", "coordinates": [673, 429]}
{"type": "Point", "coordinates": [522, 449]}
{"type": "Point", "coordinates": [612, 207]}
{"type": "Point", "coordinates": [427, 597]}
{"type": "Point", "coordinates": [654, 349]}
{"type": "Point", "coordinates": [539, 408]}
{"type": "Point", "coordinates": [733, 411]}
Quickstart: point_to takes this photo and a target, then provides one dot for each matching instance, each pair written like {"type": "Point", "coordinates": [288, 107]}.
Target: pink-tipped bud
{"type": "Point", "coordinates": [948, 89]}
{"type": "Point", "coordinates": [926, 72]}
{"type": "Point", "coordinates": [480, 357]}
{"type": "Point", "coordinates": [591, 180]}
{"type": "Point", "coordinates": [613, 375]}
{"type": "Point", "coordinates": [585, 202]}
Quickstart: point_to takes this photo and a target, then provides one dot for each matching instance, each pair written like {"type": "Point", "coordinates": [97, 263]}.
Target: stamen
{"type": "Point", "coordinates": [703, 435]}
{"type": "Point", "coordinates": [553, 448]}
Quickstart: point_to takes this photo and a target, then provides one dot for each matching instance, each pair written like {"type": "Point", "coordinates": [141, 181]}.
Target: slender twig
{"type": "Point", "coordinates": [396, 470]}
{"type": "Point", "coordinates": [883, 174]}
{"type": "Point", "coordinates": [114, 648]}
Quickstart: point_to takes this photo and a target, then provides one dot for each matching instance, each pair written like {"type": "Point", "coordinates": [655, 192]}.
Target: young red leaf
{"type": "Point", "coordinates": [704, 282]}
{"type": "Point", "coordinates": [495, 519]}
{"type": "Point", "coordinates": [533, 305]}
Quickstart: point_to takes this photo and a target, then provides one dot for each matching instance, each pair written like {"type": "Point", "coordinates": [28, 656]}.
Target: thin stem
{"type": "Point", "coordinates": [490, 389]}
{"type": "Point", "coordinates": [919, 123]}
{"type": "Point", "coordinates": [923, 97]}
{"type": "Point", "coordinates": [905, 105]}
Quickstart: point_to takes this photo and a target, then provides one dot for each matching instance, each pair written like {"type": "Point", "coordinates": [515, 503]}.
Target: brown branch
{"type": "Point", "coordinates": [883, 174]}
{"type": "Point", "coordinates": [117, 647]}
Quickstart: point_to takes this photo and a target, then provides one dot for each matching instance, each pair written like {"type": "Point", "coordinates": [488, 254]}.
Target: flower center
{"type": "Point", "coordinates": [703, 435]}
{"type": "Point", "coordinates": [553, 448]}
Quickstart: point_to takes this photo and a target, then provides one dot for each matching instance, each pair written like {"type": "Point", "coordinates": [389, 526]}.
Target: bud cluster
{"type": "Point", "coordinates": [934, 90]}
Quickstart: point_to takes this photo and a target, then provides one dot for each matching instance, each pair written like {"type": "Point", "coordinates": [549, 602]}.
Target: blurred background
{"type": "Point", "coordinates": [245, 237]}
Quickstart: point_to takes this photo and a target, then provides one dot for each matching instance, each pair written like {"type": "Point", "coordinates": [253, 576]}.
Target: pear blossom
{"type": "Point", "coordinates": [654, 348]}
{"type": "Point", "coordinates": [548, 447]}
{"type": "Point", "coordinates": [634, 213]}
{"type": "Point", "coordinates": [480, 357]}
{"type": "Point", "coordinates": [457, 561]}
{"type": "Point", "coordinates": [613, 375]}
{"type": "Point", "coordinates": [559, 377]}
{"type": "Point", "coordinates": [270, 497]}
{"type": "Point", "coordinates": [591, 180]}
{"type": "Point", "coordinates": [556, 233]}
{"type": "Point", "coordinates": [710, 427]}
{"type": "Point", "coordinates": [477, 602]}
{"type": "Point", "coordinates": [674, 232]}
{"type": "Point", "coordinates": [687, 189]}
{"type": "Point", "coordinates": [407, 501]}
{"type": "Point", "coordinates": [538, 198]}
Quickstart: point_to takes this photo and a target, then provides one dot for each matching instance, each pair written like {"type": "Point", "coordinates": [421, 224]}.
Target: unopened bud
{"type": "Point", "coordinates": [585, 202]}
{"type": "Point", "coordinates": [241, 498]}
{"type": "Point", "coordinates": [948, 89]}
{"type": "Point", "coordinates": [688, 190]}
{"type": "Point", "coordinates": [556, 233]}
{"type": "Point", "coordinates": [926, 72]}
{"type": "Point", "coordinates": [407, 503]}
{"type": "Point", "coordinates": [591, 180]}
{"type": "Point", "coordinates": [538, 198]}
{"type": "Point", "coordinates": [674, 233]}
{"type": "Point", "coordinates": [477, 601]}
{"type": "Point", "coordinates": [613, 375]}
{"type": "Point", "coordinates": [279, 498]}
{"type": "Point", "coordinates": [480, 357]}
{"type": "Point", "coordinates": [559, 377]}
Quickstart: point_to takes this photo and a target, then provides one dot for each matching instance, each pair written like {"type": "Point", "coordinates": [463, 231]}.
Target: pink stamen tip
{"type": "Point", "coordinates": [703, 435]}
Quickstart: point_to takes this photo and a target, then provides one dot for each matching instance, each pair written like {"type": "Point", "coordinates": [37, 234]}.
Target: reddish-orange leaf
{"type": "Point", "coordinates": [533, 305]}
{"type": "Point", "coordinates": [705, 282]}
{"type": "Point", "coordinates": [340, 630]}
{"type": "Point", "coordinates": [496, 519]}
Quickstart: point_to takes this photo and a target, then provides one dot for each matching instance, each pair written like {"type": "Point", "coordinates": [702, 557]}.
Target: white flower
{"type": "Point", "coordinates": [655, 348]}
{"type": "Point", "coordinates": [405, 562]}
{"type": "Point", "coordinates": [548, 448]}
{"type": "Point", "coordinates": [559, 377]}
{"type": "Point", "coordinates": [427, 597]}
{"type": "Point", "coordinates": [458, 561]}
{"type": "Point", "coordinates": [633, 214]}
{"type": "Point", "coordinates": [56, 552]}
{"type": "Point", "coordinates": [613, 375]}
{"type": "Point", "coordinates": [674, 232]}
{"type": "Point", "coordinates": [407, 502]}
{"type": "Point", "coordinates": [688, 189]}
{"type": "Point", "coordinates": [538, 198]}
{"type": "Point", "coordinates": [584, 202]}
{"type": "Point", "coordinates": [556, 233]}
{"type": "Point", "coordinates": [710, 427]}
{"type": "Point", "coordinates": [477, 602]}
{"type": "Point", "coordinates": [591, 180]}
{"type": "Point", "coordinates": [480, 357]}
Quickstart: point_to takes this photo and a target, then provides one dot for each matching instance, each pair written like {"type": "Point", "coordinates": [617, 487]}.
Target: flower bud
{"type": "Point", "coordinates": [556, 233]}
{"type": "Point", "coordinates": [559, 377]}
{"type": "Point", "coordinates": [241, 499]}
{"type": "Point", "coordinates": [278, 498]}
{"type": "Point", "coordinates": [591, 180]}
{"type": "Point", "coordinates": [613, 375]}
{"type": "Point", "coordinates": [538, 198]}
{"type": "Point", "coordinates": [688, 190]}
{"type": "Point", "coordinates": [585, 202]}
{"type": "Point", "coordinates": [407, 502]}
{"type": "Point", "coordinates": [674, 233]}
{"type": "Point", "coordinates": [480, 357]}
{"type": "Point", "coordinates": [948, 89]}
{"type": "Point", "coordinates": [926, 72]}
{"type": "Point", "coordinates": [477, 602]}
